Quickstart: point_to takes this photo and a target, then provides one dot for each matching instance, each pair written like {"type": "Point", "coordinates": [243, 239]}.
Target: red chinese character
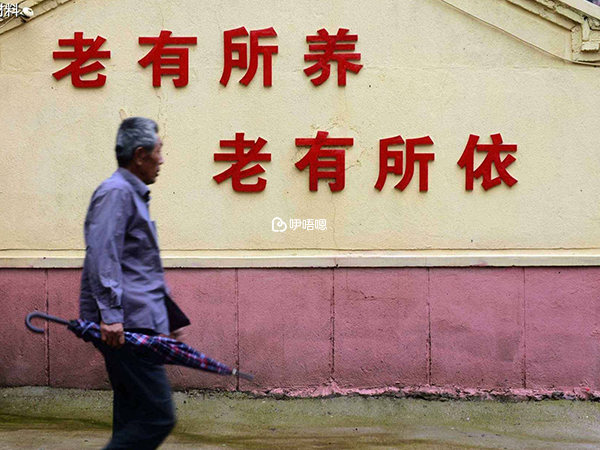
{"type": "Point", "coordinates": [242, 159]}
{"type": "Point", "coordinates": [178, 57]}
{"type": "Point", "coordinates": [331, 49]}
{"type": "Point", "coordinates": [242, 60]}
{"type": "Point", "coordinates": [493, 150]}
{"type": "Point", "coordinates": [411, 158]}
{"type": "Point", "coordinates": [81, 56]}
{"type": "Point", "coordinates": [316, 151]}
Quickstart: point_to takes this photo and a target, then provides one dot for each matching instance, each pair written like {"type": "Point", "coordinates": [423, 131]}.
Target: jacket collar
{"type": "Point", "coordinates": [137, 184]}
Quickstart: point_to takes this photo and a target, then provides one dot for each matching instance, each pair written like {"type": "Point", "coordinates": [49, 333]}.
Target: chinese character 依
{"type": "Point", "coordinates": [492, 158]}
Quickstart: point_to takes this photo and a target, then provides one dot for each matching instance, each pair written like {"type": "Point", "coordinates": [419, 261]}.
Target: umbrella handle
{"type": "Point", "coordinates": [245, 376]}
{"type": "Point", "coordinates": [42, 316]}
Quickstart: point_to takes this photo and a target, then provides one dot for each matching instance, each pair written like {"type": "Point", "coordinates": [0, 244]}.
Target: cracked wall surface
{"type": "Point", "coordinates": [428, 70]}
{"type": "Point", "coordinates": [583, 24]}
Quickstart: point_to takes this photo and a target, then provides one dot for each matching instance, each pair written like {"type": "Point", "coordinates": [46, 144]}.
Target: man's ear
{"type": "Point", "coordinates": [138, 155]}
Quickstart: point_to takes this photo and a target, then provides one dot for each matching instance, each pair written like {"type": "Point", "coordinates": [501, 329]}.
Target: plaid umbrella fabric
{"type": "Point", "coordinates": [160, 349]}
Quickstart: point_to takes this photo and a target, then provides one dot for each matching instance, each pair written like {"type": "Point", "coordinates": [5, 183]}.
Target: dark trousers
{"type": "Point", "coordinates": [143, 413]}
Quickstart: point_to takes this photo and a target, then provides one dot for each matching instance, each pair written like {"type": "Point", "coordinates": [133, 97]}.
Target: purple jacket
{"type": "Point", "coordinates": [123, 277]}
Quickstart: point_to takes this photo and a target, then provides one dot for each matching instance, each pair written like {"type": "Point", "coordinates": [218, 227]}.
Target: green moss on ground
{"type": "Point", "coordinates": [73, 419]}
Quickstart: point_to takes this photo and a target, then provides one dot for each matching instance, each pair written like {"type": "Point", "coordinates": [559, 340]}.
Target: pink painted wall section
{"type": "Point", "coordinates": [310, 330]}
{"type": "Point", "coordinates": [477, 327]}
{"type": "Point", "coordinates": [563, 327]}
{"type": "Point", "coordinates": [285, 327]}
{"type": "Point", "coordinates": [73, 362]}
{"type": "Point", "coordinates": [209, 299]}
{"type": "Point", "coordinates": [381, 327]}
{"type": "Point", "coordinates": [23, 355]}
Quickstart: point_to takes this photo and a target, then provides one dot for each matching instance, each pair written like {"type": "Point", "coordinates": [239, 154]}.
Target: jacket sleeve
{"type": "Point", "coordinates": [105, 239]}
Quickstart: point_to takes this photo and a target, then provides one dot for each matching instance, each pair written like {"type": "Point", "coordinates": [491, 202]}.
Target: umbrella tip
{"type": "Point", "coordinates": [245, 376]}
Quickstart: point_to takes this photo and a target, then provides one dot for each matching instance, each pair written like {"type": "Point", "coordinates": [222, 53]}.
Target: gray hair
{"type": "Point", "coordinates": [135, 132]}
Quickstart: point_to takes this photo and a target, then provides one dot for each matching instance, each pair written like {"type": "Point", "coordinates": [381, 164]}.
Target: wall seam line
{"type": "Point", "coordinates": [429, 364]}
{"type": "Point", "coordinates": [524, 331]}
{"type": "Point", "coordinates": [237, 327]}
{"type": "Point", "coordinates": [333, 324]}
{"type": "Point", "coordinates": [47, 327]}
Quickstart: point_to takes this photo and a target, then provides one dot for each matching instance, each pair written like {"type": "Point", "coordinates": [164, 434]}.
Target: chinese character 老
{"type": "Point", "coordinates": [242, 159]}
{"type": "Point", "coordinates": [80, 56]}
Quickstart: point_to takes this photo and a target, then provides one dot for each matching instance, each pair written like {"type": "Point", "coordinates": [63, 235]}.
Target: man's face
{"type": "Point", "coordinates": [150, 163]}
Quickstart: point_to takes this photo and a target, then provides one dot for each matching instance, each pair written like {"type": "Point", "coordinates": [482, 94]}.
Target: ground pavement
{"type": "Point", "coordinates": [53, 419]}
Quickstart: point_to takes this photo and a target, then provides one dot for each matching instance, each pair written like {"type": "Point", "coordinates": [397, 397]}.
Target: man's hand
{"type": "Point", "coordinates": [112, 334]}
{"type": "Point", "coordinates": [178, 335]}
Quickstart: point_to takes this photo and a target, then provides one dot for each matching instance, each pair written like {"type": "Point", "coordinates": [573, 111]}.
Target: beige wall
{"type": "Point", "coordinates": [428, 70]}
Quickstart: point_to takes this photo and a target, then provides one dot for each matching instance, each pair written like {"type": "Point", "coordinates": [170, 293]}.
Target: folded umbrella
{"type": "Point", "coordinates": [162, 350]}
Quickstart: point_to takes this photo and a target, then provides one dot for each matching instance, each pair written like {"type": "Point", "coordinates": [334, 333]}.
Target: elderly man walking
{"type": "Point", "coordinates": [123, 288]}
